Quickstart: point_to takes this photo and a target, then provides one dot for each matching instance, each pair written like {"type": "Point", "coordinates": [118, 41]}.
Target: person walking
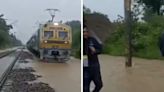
{"type": "Point", "coordinates": [91, 65]}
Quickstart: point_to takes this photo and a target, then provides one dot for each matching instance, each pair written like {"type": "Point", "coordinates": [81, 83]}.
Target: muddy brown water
{"type": "Point", "coordinates": [144, 76]}
{"type": "Point", "coordinates": [63, 77]}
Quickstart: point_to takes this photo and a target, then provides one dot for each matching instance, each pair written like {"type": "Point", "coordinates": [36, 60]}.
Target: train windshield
{"type": "Point", "coordinates": [63, 35]}
{"type": "Point", "coordinates": [48, 34]}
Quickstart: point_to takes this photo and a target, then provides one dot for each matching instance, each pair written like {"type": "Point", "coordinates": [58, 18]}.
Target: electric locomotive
{"type": "Point", "coordinates": [52, 40]}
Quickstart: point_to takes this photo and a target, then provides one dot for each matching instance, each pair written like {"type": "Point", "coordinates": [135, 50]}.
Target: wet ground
{"type": "Point", "coordinates": [9, 49]}
{"type": "Point", "coordinates": [23, 80]}
{"type": "Point", "coordinates": [144, 76]}
{"type": "Point", "coordinates": [63, 77]}
{"type": "Point", "coordinates": [5, 63]}
{"type": "Point", "coordinates": [32, 75]}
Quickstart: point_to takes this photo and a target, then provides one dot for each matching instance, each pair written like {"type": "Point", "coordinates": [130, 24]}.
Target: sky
{"type": "Point", "coordinates": [25, 15]}
{"type": "Point", "coordinates": [110, 7]}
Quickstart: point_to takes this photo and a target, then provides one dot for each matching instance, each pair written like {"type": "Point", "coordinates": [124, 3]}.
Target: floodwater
{"type": "Point", "coordinates": [5, 63]}
{"type": "Point", "coordinates": [63, 77]}
{"type": "Point", "coordinates": [144, 76]}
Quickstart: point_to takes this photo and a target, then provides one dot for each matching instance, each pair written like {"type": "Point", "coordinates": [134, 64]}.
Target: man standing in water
{"type": "Point", "coordinates": [91, 49]}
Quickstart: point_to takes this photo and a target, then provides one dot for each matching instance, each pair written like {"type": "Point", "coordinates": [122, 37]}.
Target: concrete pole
{"type": "Point", "coordinates": [128, 19]}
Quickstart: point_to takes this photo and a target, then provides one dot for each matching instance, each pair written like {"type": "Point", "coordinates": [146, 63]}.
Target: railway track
{"type": "Point", "coordinates": [19, 77]}
{"type": "Point", "coordinates": [16, 77]}
{"type": "Point", "coordinates": [5, 74]}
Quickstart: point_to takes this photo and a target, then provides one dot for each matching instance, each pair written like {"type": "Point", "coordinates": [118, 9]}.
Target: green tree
{"type": "Point", "coordinates": [7, 39]}
{"type": "Point", "coordinates": [4, 31]}
{"type": "Point", "coordinates": [86, 10]}
{"type": "Point", "coordinates": [76, 37]}
{"type": "Point", "coordinates": [155, 5]}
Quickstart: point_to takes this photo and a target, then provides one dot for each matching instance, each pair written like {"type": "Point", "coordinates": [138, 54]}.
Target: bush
{"type": "Point", "coordinates": [145, 37]}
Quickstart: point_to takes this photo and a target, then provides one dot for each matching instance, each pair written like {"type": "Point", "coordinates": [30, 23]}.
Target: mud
{"type": "Point", "coordinates": [24, 80]}
{"type": "Point", "coordinates": [22, 75]}
{"type": "Point", "coordinates": [26, 55]}
{"type": "Point", "coordinates": [23, 61]}
{"type": "Point", "coordinates": [28, 87]}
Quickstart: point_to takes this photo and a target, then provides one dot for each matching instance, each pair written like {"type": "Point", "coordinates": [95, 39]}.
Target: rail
{"type": "Point", "coordinates": [3, 78]}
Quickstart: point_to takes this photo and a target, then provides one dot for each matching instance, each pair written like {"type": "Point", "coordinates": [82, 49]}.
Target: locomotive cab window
{"type": "Point", "coordinates": [48, 34]}
{"type": "Point", "coordinates": [63, 35]}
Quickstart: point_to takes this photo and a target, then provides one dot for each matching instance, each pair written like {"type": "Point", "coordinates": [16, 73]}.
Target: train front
{"type": "Point", "coordinates": [55, 41]}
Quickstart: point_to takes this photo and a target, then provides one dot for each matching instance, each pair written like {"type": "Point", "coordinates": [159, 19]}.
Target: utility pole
{"type": "Point", "coordinates": [128, 19]}
{"type": "Point", "coordinates": [52, 13]}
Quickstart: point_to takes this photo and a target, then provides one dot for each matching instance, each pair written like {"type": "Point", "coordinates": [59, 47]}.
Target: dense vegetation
{"type": "Point", "coordinates": [7, 39]}
{"type": "Point", "coordinates": [76, 36]}
{"type": "Point", "coordinates": [145, 31]}
{"type": "Point", "coordinates": [145, 35]}
{"type": "Point", "coordinates": [155, 5]}
{"type": "Point", "coordinates": [145, 38]}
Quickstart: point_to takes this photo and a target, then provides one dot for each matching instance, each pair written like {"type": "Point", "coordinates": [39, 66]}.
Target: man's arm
{"type": "Point", "coordinates": [97, 46]}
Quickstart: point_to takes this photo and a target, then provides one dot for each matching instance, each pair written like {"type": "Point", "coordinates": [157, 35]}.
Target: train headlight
{"type": "Point", "coordinates": [66, 42]}
{"type": "Point", "coordinates": [56, 24]}
{"type": "Point", "coordinates": [45, 41]}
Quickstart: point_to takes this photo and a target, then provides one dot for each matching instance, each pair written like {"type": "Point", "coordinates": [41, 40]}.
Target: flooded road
{"type": "Point", "coordinates": [144, 76]}
{"type": "Point", "coordinates": [63, 77]}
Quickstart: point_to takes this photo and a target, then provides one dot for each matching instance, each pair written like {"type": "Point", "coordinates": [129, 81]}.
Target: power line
{"type": "Point", "coordinates": [52, 12]}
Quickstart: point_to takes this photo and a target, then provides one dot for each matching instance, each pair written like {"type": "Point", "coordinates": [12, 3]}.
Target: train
{"type": "Point", "coordinates": [51, 40]}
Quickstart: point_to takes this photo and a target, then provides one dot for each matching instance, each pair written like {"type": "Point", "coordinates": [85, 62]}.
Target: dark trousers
{"type": "Point", "coordinates": [92, 74]}
{"type": "Point", "coordinates": [162, 52]}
